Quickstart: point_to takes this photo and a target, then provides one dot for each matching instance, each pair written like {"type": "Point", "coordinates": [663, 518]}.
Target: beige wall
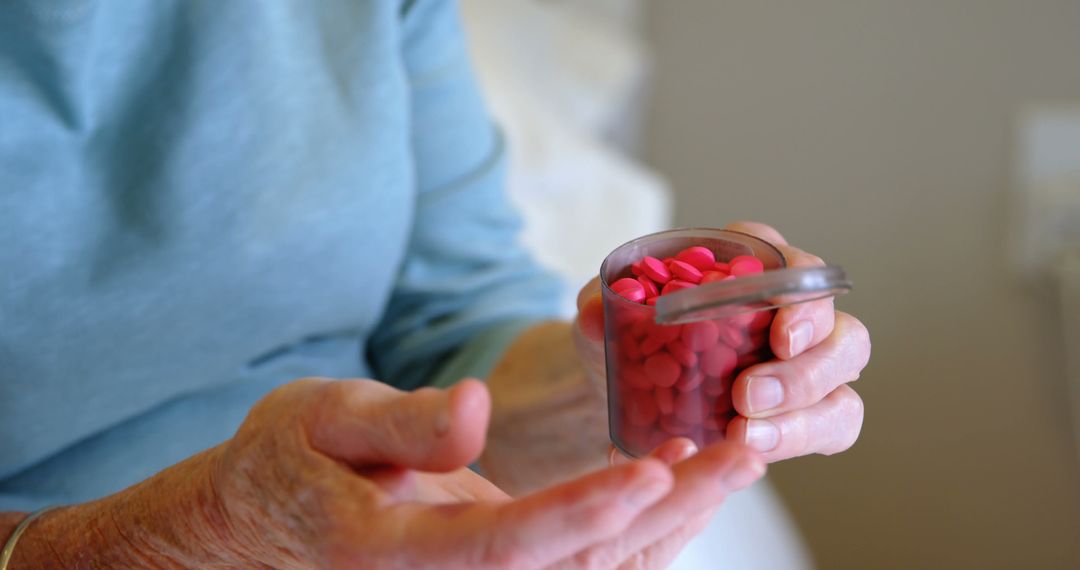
{"type": "Point", "coordinates": [879, 134]}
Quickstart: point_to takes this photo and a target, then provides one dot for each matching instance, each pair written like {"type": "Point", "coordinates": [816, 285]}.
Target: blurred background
{"type": "Point", "coordinates": [931, 147]}
{"type": "Point", "coordinates": [886, 136]}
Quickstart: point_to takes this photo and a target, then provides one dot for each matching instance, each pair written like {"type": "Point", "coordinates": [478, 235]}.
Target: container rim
{"type": "Point", "coordinates": [774, 288]}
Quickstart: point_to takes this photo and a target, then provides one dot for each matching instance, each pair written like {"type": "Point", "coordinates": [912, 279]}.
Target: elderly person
{"type": "Point", "coordinates": [201, 202]}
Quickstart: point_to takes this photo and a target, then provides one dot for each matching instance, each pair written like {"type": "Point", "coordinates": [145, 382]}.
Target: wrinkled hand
{"type": "Point", "coordinates": [356, 474]}
{"type": "Point", "coordinates": [798, 404]}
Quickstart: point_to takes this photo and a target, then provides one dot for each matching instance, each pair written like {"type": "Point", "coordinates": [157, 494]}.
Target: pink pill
{"type": "Point", "coordinates": [715, 387]}
{"type": "Point", "coordinates": [676, 286]}
{"type": "Point", "coordinates": [700, 257]}
{"type": "Point", "coordinates": [662, 370]}
{"type": "Point", "coordinates": [640, 328]}
{"type": "Point", "coordinates": [714, 423]}
{"type": "Point", "coordinates": [700, 335]}
{"type": "Point", "coordinates": [722, 267]}
{"type": "Point", "coordinates": [629, 348]}
{"type": "Point", "coordinates": [629, 289]}
{"type": "Point", "coordinates": [651, 290]}
{"type": "Point", "coordinates": [665, 333]}
{"type": "Point", "coordinates": [665, 400]}
{"type": "Point", "coordinates": [628, 316]}
{"type": "Point", "coordinates": [732, 336]}
{"type": "Point", "coordinates": [633, 377]}
{"type": "Point", "coordinates": [636, 268]}
{"type": "Point", "coordinates": [682, 354]}
{"type": "Point", "coordinates": [712, 437]}
{"type": "Point", "coordinates": [690, 407]}
{"type": "Point", "coordinates": [655, 269]}
{"type": "Point", "coordinates": [640, 408]}
{"type": "Point", "coordinates": [713, 276]}
{"type": "Point", "coordinates": [746, 265]}
{"type": "Point", "coordinates": [690, 379]}
{"type": "Point", "coordinates": [717, 361]}
{"type": "Point", "coordinates": [674, 426]}
{"type": "Point", "coordinates": [685, 271]}
{"type": "Point", "coordinates": [741, 320]}
{"type": "Point", "coordinates": [651, 345]}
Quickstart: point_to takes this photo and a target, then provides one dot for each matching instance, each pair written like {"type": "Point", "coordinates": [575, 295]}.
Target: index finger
{"type": "Point", "coordinates": [534, 531]}
{"type": "Point", "coordinates": [702, 482]}
{"type": "Point", "coordinates": [759, 230]}
{"type": "Point", "coordinates": [795, 328]}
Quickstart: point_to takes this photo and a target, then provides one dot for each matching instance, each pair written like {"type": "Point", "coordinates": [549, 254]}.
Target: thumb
{"type": "Point", "coordinates": [367, 423]}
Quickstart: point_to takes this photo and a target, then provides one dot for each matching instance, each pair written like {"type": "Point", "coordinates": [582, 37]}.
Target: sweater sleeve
{"type": "Point", "coordinates": [467, 285]}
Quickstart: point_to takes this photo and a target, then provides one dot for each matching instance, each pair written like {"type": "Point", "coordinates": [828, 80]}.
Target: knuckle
{"type": "Point", "coordinates": [597, 558]}
{"type": "Point", "coordinates": [758, 229]}
{"type": "Point", "coordinates": [503, 549]}
{"type": "Point", "coordinates": [600, 518]}
{"type": "Point", "coordinates": [850, 412]}
{"type": "Point", "coordinates": [331, 394]}
{"type": "Point", "coordinates": [798, 435]}
{"type": "Point", "coordinates": [338, 394]}
{"type": "Point", "coordinates": [800, 392]}
{"type": "Point", "coordinates": [326, 398]}
{"type": "Point", "coordinates": [499, 553]}
{"type": "Point", "coordinates": [857, 335]}
{"type": "Point", "coordinates": [803, 387]}
{"type": "Point", "coordinates": [639, 560]}
{"type": "Point", "coordinates": [341, 390]}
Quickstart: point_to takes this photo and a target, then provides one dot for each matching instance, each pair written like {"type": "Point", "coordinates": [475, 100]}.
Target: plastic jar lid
{"type": "Point", "coordinates": [771, 289]}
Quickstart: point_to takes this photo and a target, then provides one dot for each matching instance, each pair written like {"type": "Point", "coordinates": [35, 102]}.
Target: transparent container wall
{"type": "Point", "coordinates": [669, 381]}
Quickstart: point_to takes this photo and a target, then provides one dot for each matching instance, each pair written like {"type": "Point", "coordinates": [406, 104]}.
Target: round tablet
{"type": "Point", "coordinates": [662, 369]}
{"type": "Point", "coordinates": [699, 256]}
{"type": "Point", "coordinates": [629, 289]}
{"type": "Point", "coordinates": [700, 335]}
{"type": "Point", "coordinates": [682, 354]}
{"type": "Point", "coordinates": [718, 361]}
{"type": "Point", "coordinates": [665, 400]}
{"type": "Point", "coordinates": [640, 408]}
{"type": "Point", "coordinates": [686, 272]}
{"type": "Point", "coordinates": [746, 265]}
{"type": "Point", "coordinates": [675, 286]}
{"type": "Point", "coordinates": [655, 269]}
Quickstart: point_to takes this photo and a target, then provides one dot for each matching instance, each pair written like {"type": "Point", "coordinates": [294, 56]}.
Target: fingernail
{"type": "Point", "coordinates": [800, 335]}
{"type": "Point", "coordinates": [743, 473]}
{"type": "Point", "coordinates": [684, 451]}
{"type": "Point", "coordinates": [762, 435]}
{"type": "Point", "coordinates": [764, 393]}
{"type": "Point", "coordinates": [646, 493]}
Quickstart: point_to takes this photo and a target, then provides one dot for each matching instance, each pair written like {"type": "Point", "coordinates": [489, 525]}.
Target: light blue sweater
{"type": "Point", "coordinates": [202, 200]}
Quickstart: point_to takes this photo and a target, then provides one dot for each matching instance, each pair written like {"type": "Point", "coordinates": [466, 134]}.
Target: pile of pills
{"type": "Point", "coordinates": [675, 380]}
{"type": "Point", "coordinates": [693, 266]}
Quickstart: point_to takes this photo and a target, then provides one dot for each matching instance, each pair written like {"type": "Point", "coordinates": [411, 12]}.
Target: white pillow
{"type": "Point", "coordinates": [563, 92]}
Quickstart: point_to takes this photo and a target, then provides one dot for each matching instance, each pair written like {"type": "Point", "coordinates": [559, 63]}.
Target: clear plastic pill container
{"type": "Point", "coordinates": [672, 357]}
